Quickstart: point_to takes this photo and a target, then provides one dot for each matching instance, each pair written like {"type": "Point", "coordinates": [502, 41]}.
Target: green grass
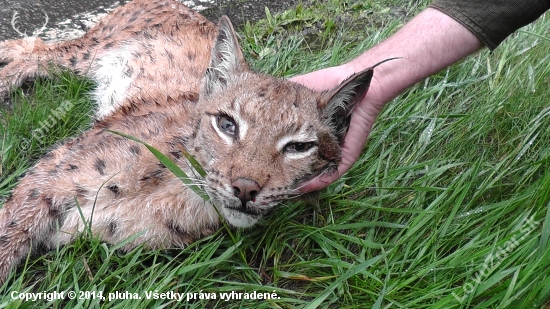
{"type": "Point", "coordinates": [437, 205]}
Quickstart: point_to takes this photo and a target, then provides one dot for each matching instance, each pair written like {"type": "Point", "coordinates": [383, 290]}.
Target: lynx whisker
{"type": "Point", "coordinates": [330, 170]}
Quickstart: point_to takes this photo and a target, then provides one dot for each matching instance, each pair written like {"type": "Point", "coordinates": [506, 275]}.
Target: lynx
{"type": "Point", "coordinates": [169, 77]}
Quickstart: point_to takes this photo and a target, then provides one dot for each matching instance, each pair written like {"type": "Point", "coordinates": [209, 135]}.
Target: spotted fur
{"type": "Point", "coordinates": [171, 78]}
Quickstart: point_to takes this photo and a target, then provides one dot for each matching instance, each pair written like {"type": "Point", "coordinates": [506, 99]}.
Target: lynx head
{"type": "Point", "coordinates": [258, 137]}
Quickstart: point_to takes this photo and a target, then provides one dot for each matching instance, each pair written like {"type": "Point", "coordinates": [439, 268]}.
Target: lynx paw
{"type": "Point", "coordinates": [20, 59]}
{"type": "Point", "coordinates": [23, 49]}
{"type": "Point", "coordinates": [12, 76]}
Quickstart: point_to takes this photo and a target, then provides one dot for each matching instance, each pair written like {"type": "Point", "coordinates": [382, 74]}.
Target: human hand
{"type": "Point", "coordinates": [428, 43]}
{"type": "Point", "coordinates": [362, 119]}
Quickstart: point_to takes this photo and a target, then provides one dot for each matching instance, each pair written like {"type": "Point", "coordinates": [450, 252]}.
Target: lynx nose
{"type": "Point", "coordinates": [245, 189]}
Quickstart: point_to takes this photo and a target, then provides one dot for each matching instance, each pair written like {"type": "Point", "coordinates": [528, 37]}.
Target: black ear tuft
{"type": "Point", "coordinates": [226, 58]}
{"type": "Point", "coordinates": [343, 100]}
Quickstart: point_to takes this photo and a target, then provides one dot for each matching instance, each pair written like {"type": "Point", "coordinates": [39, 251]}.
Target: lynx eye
{"type": "Point", "coordinates": [227, 125]}
{"type": "Point", "coordinates": [296, 147]}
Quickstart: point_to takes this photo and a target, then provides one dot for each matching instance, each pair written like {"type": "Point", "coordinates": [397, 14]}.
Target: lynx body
{"type": "Point", "coordinates": [169, 77]}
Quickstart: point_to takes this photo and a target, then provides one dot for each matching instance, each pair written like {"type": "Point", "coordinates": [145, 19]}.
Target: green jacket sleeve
{"type": "Point", "coordinates": [492, 20]}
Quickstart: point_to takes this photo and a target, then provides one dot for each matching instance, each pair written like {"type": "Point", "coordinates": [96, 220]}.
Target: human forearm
{"type": "Point", "coordinates": [427, 44]}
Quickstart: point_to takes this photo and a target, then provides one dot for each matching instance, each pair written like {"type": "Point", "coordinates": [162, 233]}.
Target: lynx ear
{"type": "Point", "coordinates": [226, 58]}
{"type": "Point", "coordinates": [343, 99]}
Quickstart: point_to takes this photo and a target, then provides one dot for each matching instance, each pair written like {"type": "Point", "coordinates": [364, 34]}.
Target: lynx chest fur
{"type": "Point", "coordinates": [169, 77]}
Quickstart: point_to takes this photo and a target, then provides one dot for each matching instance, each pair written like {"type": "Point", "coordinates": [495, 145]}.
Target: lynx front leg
{"type": "Point", "coordinates": [30, 57]}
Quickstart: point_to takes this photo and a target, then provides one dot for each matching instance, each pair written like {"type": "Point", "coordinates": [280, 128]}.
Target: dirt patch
{"type": "Point", "coordinates": [66, 19]}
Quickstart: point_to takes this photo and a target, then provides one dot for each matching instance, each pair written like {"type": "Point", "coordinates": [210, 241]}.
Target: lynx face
{"type": "Point", "coordinates": [259, 136]}
{"type": "Point", "coordinates": [258, 143]}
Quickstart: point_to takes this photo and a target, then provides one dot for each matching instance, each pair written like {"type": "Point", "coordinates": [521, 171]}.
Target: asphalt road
{"type": "Point", "coordinates": [71, 18]}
